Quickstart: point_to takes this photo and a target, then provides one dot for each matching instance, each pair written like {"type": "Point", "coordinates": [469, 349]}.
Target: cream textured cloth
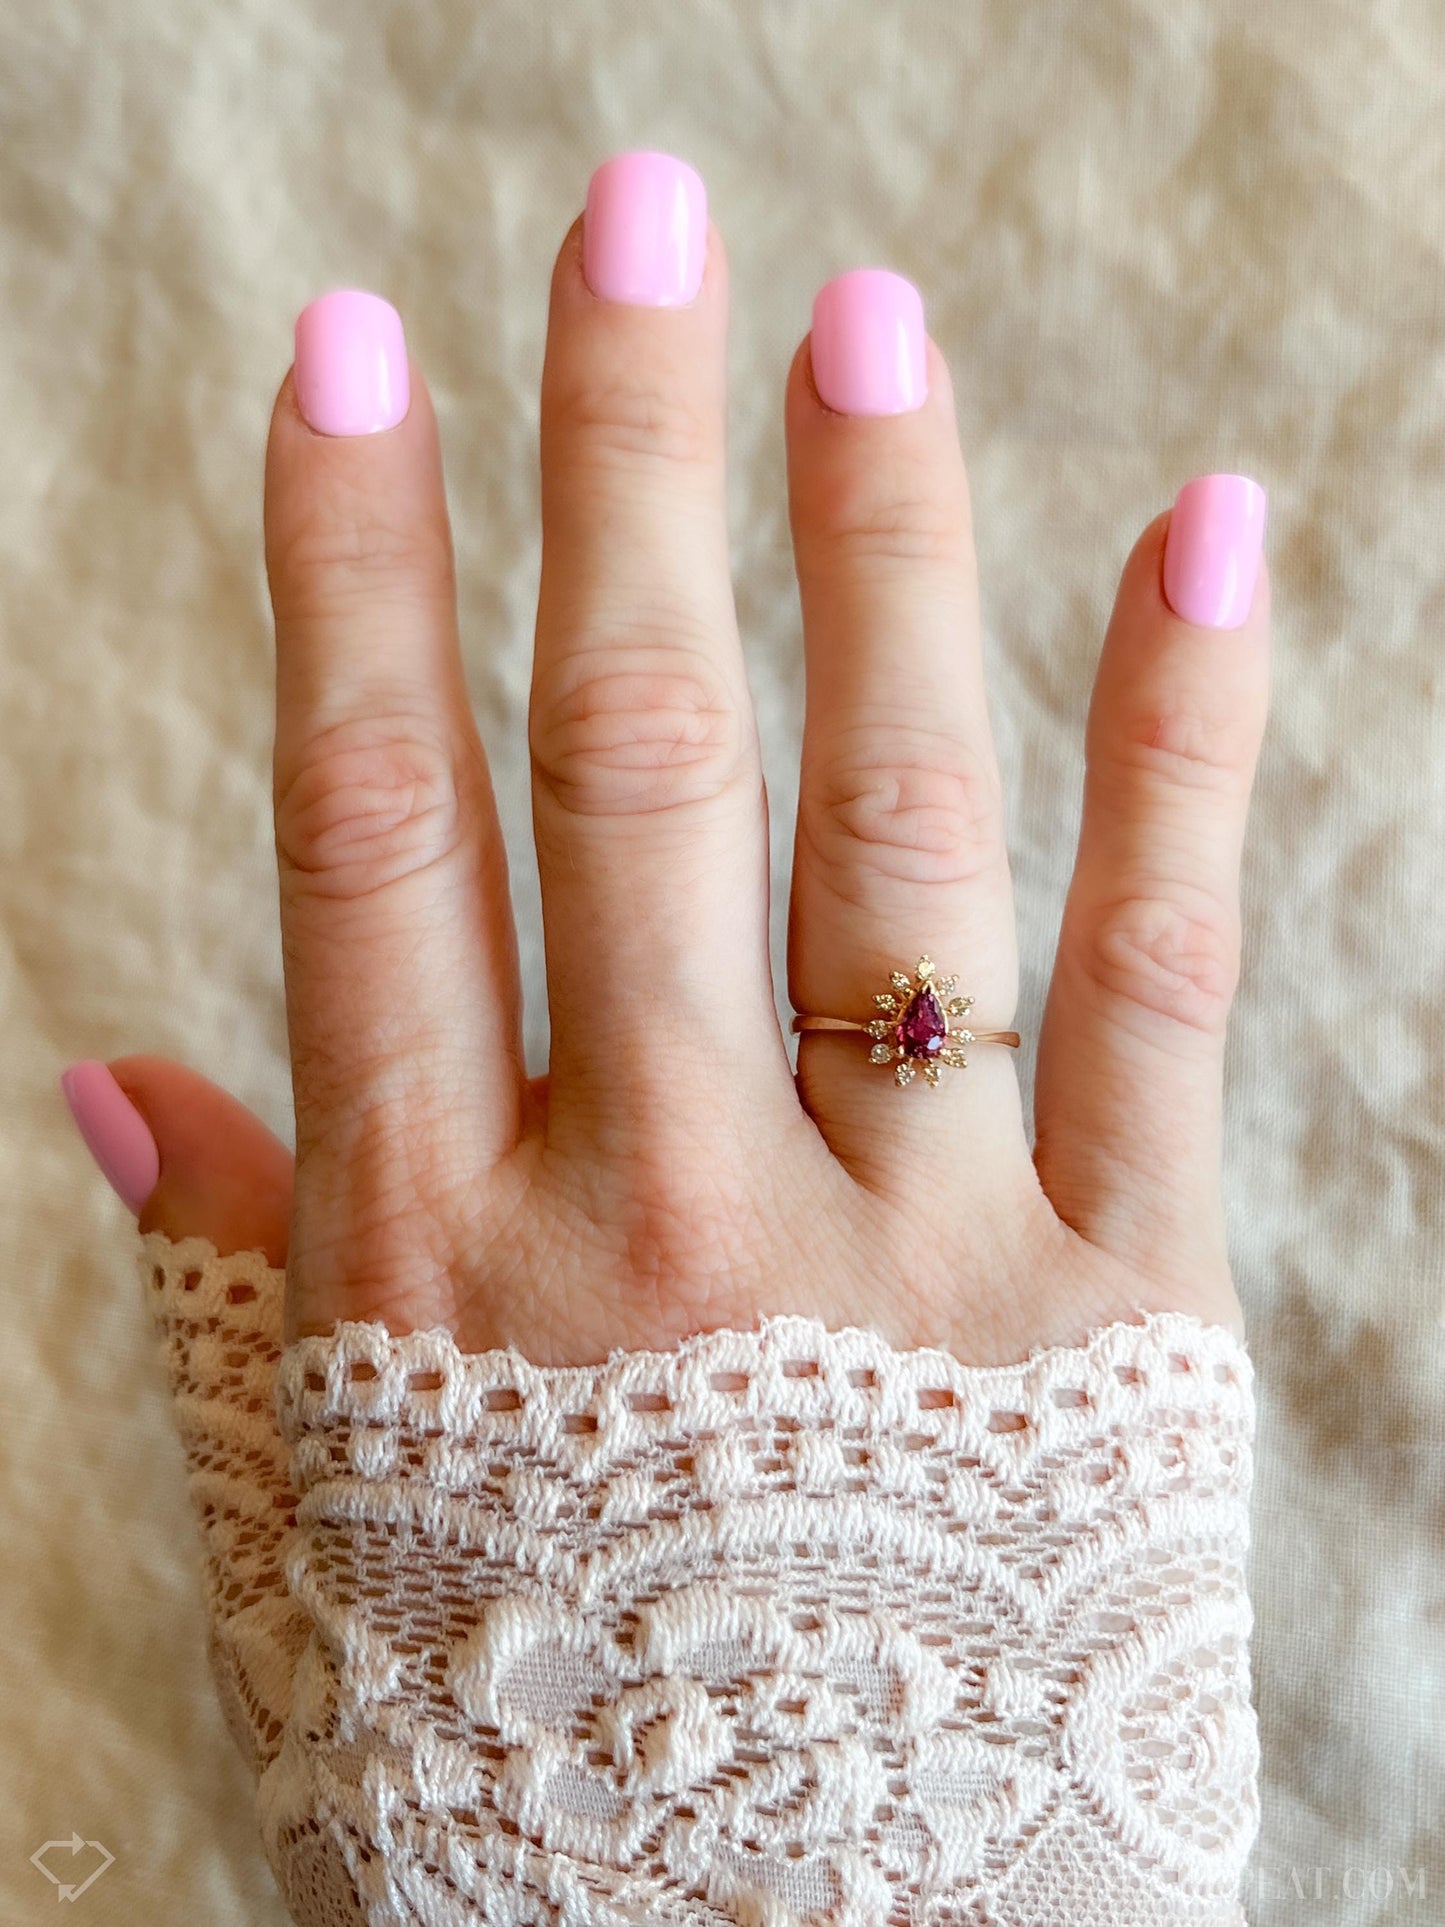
{"type": "Point", "coordinates": [782, 1628]}
{"type": "Point", "coordinates": [1153, 239]}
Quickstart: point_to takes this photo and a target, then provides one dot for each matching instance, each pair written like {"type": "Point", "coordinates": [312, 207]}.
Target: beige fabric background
{"type": "Point", "coordinates": [1154, 239]}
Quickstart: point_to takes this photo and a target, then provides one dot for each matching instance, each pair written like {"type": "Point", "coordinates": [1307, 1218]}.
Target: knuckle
{"type": "Point", "coordinates": [685, 1230]}
{"type": "Point", "coordinates": [1176, 961]}
{"type": "Point", "coordinates": [660, 1217]}
{"type": "Point", "coordinates": [920, 810]}
{"type": "Point", "coordinates": [618, 424]}
{"type": "Point", "coordinates": [629, 741]}
{"type": "Point", "coordinates": [378, 1172]}
{"type": "Point", "coordinates": [1194, 746]}
{"type": "Point", "coordinates": [345, 550]}
{"type": "Point", "coordinates": [676, 1238]}
{"type": "Point", "coordinates": [904, 528]}
{"type": "Point", "coordinates": [370, 801]}
{"type": "Point", "coordinates": [894, 512]}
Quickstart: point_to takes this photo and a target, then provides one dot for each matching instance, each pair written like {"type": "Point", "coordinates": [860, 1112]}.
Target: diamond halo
{"type": "Point", "coordinates": [914, 1033]}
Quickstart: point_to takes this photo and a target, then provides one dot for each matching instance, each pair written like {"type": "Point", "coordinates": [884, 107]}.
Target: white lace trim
{"type": "Point", "coordinates": [782, 1628]}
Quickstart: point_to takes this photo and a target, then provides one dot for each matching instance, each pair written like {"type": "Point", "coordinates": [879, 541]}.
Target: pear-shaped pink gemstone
{"type": "Point", "coordinates": [922, 1029]}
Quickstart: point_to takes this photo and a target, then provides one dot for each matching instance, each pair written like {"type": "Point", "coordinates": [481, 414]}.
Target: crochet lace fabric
{"type": "Point", "coordinates": [782, 1628]}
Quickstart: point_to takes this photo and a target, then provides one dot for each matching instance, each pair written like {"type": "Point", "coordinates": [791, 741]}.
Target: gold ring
{"type": "Point", "coordinates": [914, 1033]}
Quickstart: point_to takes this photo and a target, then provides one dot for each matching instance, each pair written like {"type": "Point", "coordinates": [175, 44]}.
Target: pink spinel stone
{"type": "Point", "coordinates": [922, 1029]}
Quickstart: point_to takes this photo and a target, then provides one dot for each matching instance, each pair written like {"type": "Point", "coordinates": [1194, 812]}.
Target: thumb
{"type": "Point", "coordinates": [188, 1158]}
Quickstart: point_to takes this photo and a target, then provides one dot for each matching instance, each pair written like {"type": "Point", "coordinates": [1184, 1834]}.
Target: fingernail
{"type": "Point", "coordinates": [1212, 550]}
{"type": "Point", "coordinates": [115, 1133]}
{"type": "Point", "coordinates": [869, 348]}
{"type": "Point", "coordinates": [351, 368]}
{"type": "Point", "coordinates": [644, 231]}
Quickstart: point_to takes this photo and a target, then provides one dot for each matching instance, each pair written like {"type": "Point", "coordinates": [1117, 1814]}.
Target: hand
{"type": "Point", "coordinates": [670, 1174]}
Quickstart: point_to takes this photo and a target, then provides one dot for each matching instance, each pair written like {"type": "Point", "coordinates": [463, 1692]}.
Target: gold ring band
{"type": "Point", "coordinates": [912, 1031]}
{"type": "Point", "coordinates": [1009, 1037]}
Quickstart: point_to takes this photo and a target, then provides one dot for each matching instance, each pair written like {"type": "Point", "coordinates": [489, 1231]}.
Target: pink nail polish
{"type": "Point", "coordinates": [351, 368]}
{"type": "Point", "coordinates": [644, 231]}
{"type": "Point", "coordinates": [1212, 550]}
{"type": "Point", "coordinates": [869, 346]}
{"type": "Point", "coordinates": [115, 1133]}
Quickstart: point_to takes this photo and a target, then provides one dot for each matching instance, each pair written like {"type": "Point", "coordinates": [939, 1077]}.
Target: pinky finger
{"type": "Point", "coordinates": [1130, 1075]}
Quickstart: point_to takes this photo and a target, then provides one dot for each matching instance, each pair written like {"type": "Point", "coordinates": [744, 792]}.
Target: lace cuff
{"type": "Point", "coordinates": [782, 1628]}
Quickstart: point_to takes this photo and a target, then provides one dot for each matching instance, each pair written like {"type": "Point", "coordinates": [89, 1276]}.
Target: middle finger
{"type": "Point", "coordinates": [647, 794]}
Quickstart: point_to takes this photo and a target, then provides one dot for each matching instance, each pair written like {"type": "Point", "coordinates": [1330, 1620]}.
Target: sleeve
{"type": "Point", "coordinates": [779, 1629]}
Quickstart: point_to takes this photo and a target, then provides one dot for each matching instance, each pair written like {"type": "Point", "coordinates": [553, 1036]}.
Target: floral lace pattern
{"type": "Point", "coordinates": [781, 1628]}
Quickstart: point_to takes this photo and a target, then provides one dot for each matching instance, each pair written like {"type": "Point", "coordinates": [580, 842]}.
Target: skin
{"type": "Point", "coordinates": [669, 1174]}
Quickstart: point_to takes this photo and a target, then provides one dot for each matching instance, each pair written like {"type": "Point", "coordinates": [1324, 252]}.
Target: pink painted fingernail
{"type": "Point", "coordinates": [1212, 550]}
{"type": "Point", "coordinates": [869, 348]}
{"type": "Point", "coordinates": [644, 231]}
{"type": "Point", "coordinates": [115, 1133]}
{"type": "Point", "coordinates": [351, 369]}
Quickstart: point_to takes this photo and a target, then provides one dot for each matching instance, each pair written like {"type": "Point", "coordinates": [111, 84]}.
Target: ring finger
{"type": "Point", "coordinates": [900, 848]}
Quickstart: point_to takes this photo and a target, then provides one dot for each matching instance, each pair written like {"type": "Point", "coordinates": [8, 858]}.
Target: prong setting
{"type": "Point", "coordinates": [915, 1034]}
